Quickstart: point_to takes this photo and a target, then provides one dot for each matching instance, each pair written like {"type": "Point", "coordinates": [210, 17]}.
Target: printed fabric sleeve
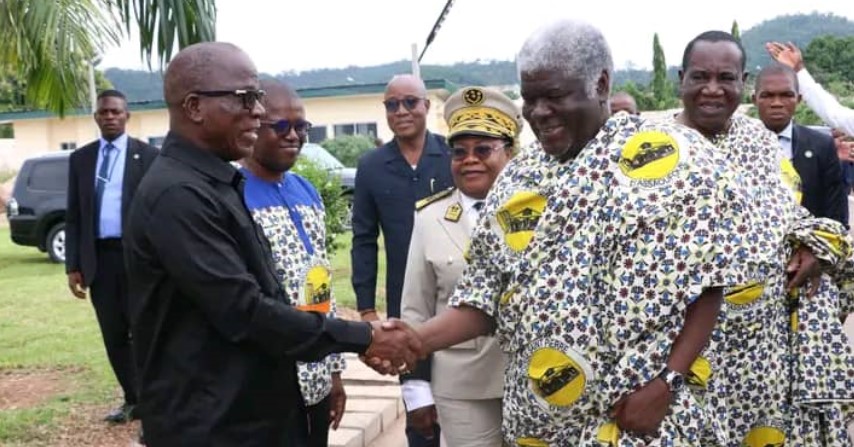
{"type": "Point", "coordinates": [483, 280]}
{"type": "Point", "coordinates": [826, 238]}
{"type": "Point", "coordinates": [670, 254]}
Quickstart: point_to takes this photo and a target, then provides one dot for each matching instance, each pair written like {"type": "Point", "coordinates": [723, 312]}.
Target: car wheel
{"type": "Point", "coordinates": [55, 243]}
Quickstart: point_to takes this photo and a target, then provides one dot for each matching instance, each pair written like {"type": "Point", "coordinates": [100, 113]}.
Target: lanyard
{"type": "Point", "coordinates": [296, 218]}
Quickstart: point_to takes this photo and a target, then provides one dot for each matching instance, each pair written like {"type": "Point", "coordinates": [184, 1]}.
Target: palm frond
{"type": "Point", "coordinates": [49, 43]}
{"type": "Point", "coordinates": [163, 23]}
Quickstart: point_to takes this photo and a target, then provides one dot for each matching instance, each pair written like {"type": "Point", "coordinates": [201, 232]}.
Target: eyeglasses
{"type": "Point", "coordinates": [284, 127]}
{"type": "Point", "coordinates": [410, 102]}
{"type": "Point", "coordinates": [249, 97]}
{"type": "Point", "coordinates": [482, 152]}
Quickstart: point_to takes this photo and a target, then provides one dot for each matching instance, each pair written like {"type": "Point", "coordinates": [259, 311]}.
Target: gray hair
{"type": "Point", "coordinates": [577, 48]}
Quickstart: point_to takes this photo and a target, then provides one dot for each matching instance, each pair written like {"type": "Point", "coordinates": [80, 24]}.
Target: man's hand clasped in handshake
{"type": "Point", "coordinates": [395, 348]}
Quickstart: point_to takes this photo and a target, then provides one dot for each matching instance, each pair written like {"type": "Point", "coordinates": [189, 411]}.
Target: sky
{"type": "Point", "coordinates": [283, 36]}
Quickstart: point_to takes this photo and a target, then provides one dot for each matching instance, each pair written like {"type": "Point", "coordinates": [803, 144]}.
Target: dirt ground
{"type": "Point", "coordinates": [84, 426]}
{"type": "Point", "coordinates": [28, 388]}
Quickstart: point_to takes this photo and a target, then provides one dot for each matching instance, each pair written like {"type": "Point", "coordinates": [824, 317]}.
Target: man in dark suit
{"type": "Point", "coordinates": [389, 180]}
{"type": "Point", "coordinates": [812, 153]}
{"type": "Point", "coordinates": [102, 180]}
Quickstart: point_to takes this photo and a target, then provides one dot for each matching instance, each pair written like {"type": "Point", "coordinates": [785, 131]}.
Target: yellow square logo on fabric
{"type": "Point", "coordinates": [649, 155]}
{"type": "Point", "coordinates": [765, 437]}
{"type": "Point", "coordinates": [318, 293]}
{"type": "Point", "coordinates": [518, 218]}
{"type": "Point", "coordinates": [556, 377]}
{"type": "Point", "coordinates": [745, 294]}
{"type": "Point", "coordinates": [531, 442]}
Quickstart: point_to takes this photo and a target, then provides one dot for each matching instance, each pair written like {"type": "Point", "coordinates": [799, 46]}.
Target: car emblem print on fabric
{"type": "Point", "coordinates": [556, 377]}
{"type": "Point", "coordinates": [317, 292]}
{"type": "Point", "coordinates": [518, 218]}
{"type": "Point", "coordinates": [649, 155]}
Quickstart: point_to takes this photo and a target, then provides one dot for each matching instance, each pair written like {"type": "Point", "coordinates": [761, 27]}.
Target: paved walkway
{"type": "Point", "coordinates": [374, 415]}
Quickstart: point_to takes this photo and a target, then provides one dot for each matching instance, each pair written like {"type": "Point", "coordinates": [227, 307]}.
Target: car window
{"type": "Point", "coordinates": [49, 176]}
{"type": "Point", "coordinates": [321, 156]}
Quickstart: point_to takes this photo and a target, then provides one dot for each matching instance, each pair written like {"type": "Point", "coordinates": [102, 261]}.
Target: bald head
{"type": "Point", "coordinates": [406, 107]}
{"type": "Point", "coordinates": [200, 67]}
{"type": "Point", "coordinates": [212, 92]}
{"type": "Point", "coordinates": [407, 82]}
{"type": "Point", "coordinates": [278, 92]}
{"type": "Point", "coordinates": [623, 102]}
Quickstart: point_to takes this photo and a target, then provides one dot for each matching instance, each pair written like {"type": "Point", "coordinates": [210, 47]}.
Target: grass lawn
{"type": "Point", "coordinates": [43, 328]}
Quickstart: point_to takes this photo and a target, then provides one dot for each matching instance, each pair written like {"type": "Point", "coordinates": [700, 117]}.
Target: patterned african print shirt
{"type": "Point", "coordinates": [588, 268]}
{"type": "Point", "coordinates": [788, 365]}
{"type": "Point", "coordinates": [292, 216]}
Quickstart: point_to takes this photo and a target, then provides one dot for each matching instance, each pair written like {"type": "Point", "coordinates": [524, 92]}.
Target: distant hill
{"type": "Point", "coordinates": [801, 29]}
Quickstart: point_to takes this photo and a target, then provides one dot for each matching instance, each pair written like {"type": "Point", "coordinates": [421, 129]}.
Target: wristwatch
{"type": "Point", "coordinates": [674, 380]}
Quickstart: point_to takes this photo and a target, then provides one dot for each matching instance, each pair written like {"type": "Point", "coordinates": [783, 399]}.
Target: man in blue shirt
{"type": "Point", "coordinates": [102, 179]}
{"type": "Point", "coordinates": [389, 180]}
{"type": "Point", "coordinates": [290, 212]}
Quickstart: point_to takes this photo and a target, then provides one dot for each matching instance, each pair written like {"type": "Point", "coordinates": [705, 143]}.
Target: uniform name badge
{"type": "Point", "coordinates": [316, 292]}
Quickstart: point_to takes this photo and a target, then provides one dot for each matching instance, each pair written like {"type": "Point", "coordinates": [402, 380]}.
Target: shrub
{"type": "Point", "coordinates": [348, 148]}
{"type": "Point", "coordinates": [329, 188]}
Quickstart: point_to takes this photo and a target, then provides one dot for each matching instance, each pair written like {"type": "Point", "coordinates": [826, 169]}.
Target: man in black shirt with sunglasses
{"type": "Point", "coordinates": [389, 180]}
{"type": "Point", "coordinates": [215, 339]}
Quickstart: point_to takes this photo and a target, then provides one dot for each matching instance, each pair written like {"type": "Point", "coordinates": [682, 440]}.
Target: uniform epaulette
{"type": "Point", "coordinates": [434, 198]}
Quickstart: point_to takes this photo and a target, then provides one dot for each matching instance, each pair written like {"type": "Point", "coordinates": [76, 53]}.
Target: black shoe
{"type": "Point", "coordinates": [121, 414]}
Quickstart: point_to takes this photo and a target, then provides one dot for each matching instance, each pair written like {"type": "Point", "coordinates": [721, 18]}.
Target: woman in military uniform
{"type": "Point", "coordinates": [465, 380]}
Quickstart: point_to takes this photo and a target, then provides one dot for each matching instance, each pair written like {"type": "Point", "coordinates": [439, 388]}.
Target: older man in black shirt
{"type": "Point", "coordinates": [214, 338]}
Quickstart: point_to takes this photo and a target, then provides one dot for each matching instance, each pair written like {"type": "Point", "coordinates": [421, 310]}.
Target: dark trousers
{"type": "Point", "coordinates": [318, 423]}
{"type": "Point", "coordinates": [110, 299]}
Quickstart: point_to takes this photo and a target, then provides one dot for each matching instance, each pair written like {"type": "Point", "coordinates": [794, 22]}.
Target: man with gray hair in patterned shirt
{"type": "Point", "coordinates": [599, 262]}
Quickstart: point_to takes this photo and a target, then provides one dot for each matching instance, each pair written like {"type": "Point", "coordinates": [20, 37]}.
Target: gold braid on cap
{"type": "Point", "coordinates": [485, 120]}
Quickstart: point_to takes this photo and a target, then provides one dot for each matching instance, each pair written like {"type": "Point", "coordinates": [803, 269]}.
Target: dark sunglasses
{"type": "Point", "coordinates": [482, 152]}
{"type": "Point", "coordinates": [284, 127]}
{"type": "Point", "coordinates": [410, 102]}
{"type": "Point", "coordinates": [249, 98]}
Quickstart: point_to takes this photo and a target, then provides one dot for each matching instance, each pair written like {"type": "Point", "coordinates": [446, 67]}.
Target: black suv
{"type": "Point", "coordinates": [36, 210]}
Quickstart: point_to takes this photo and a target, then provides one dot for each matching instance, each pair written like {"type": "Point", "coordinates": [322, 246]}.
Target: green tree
{"type": "Point", "coordinates": [663, 91]}
{"type": "Point", "coordinates": [831, 59]}
{"type": "Point", "coordinates": [329, 188]}
{"type": "Point", "coordinates": [659, 71]}
{"type": "Point", "coordinates": [643, 96]}
{"type": "Point", "coordinates": [735, 32]}
{"type": "Point", "coordinates": [48, 45]}
{"type": "Point", "coordinates": [348, 148]}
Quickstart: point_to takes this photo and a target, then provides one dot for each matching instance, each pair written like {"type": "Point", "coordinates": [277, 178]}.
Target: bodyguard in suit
{"type": "Point", "coordinates": [389, 180]}
{"type": "Point", "coordinates": [465, 380]}
{"type": "Point", "coordinates": [812, 153]}
{"type": "Point", "coordinates": [102, 179]}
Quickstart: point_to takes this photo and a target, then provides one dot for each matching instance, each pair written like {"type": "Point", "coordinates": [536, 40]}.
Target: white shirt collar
{"type": "Point", "coordinates": [787, 132]}
{"type": "Point", "coordinates": [120, 143]}
{"type": "Point", "coordinates": [468, 202]}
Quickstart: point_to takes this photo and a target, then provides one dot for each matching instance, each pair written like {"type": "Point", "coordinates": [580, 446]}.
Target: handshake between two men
{"type": "Point", "coordinates": [396, 346]}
